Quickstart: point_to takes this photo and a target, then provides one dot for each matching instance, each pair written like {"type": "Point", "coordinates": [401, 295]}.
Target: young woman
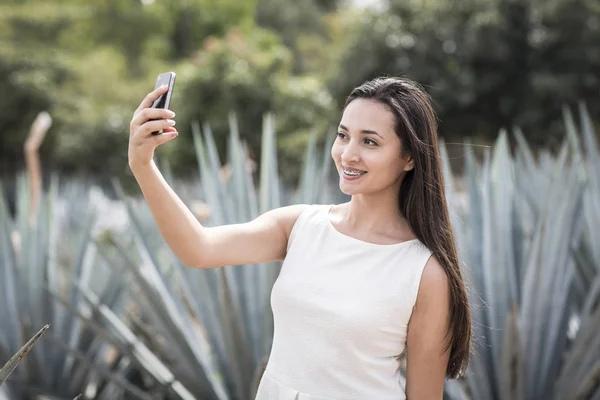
{"type": "Point", "coordinates": [361, 282]}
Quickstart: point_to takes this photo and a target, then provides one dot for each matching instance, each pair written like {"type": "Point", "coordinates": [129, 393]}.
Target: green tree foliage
{"type": "Point", "coordinates": [89, 63]}
{"type": "Point", "coordinates": [197, 20]}
{"type": "Point", "coordinates": [295, 21]}
{"type": "Point", "coordinates": [487, 63]}
{"type": "Point", "coordinates": [29, 72]}
{"type": "Point", "coordinates": [249, 74]}
{"type": "Point", "coordinates": [51, 60]}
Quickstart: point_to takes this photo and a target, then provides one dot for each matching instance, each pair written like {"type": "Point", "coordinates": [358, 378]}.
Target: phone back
{"type": "Point", "coordinates": [167, 78]}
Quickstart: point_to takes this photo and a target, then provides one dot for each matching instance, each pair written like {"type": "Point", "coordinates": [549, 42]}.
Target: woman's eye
{"type": "Point", "coordinates": [368, 142]}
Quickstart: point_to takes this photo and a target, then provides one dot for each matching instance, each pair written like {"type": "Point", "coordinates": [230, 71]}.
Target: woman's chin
{"type": "Point", "coordinates": [349, 190]}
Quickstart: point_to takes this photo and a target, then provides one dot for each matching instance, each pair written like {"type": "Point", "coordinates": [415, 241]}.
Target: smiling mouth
{"type": "Point", "coordinates": [353, 172]}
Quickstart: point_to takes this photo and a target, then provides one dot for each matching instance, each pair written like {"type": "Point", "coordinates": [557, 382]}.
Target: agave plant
{"type": "Point", "coordinates": [136, 323]}
{"type": "Point", "coordinates": [12, 364]}
{"type": "Point", "coordinates": [580, 377]}
{"type": "Point", "coordinates": [37, 261]}
{"type": "Point", "coordinates": [526, 240]}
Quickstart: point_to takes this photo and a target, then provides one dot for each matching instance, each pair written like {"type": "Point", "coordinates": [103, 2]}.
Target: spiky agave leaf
{"type": "Point", "coordinates": [9, 309]}
{"type": "Point", "coordinates": [580, 373]}
{"type": "Point", "coordinates": [479, 375]}
{"type": "Point", "coordinates": [545, 229]}
{"type": "Point", "coordinates": [55, 249]}
{"type": "Point", "coordinates": [12, 364]}
{"type": "Point", "coordinates": [125, 340]}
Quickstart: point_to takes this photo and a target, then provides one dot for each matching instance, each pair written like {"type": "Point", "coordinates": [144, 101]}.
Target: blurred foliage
{"type": "Point", "coordinates": [248, 74]}
{"type": "Point", "coordinates": [295, 22]}
{"type": "Point", "coordinates": [90, 64]}
{"type": "Point", "coordinates": [487, 64]}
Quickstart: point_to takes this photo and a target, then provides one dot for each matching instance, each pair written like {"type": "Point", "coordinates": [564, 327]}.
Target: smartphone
{"type": "Point", "coordinates": [164, 101]}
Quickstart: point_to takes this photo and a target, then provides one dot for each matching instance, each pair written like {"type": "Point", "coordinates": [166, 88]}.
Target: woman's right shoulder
{"type": "Point", "coordinates": [288, 216]}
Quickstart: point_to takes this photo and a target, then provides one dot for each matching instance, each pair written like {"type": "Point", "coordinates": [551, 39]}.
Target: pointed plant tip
{"type": "Point", "coordinates": [11, 365]}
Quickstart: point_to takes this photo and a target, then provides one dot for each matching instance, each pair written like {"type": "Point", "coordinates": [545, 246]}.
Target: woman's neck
{"type": "Point", "coordinates": [375, 213]}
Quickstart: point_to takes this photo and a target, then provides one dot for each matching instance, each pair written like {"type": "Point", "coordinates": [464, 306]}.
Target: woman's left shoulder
{"type": "Point", "coordinates": [434, 285]}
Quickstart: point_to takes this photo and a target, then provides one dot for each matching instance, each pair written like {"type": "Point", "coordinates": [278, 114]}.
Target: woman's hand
{"type": "Point", "coordinates": [141, 140]}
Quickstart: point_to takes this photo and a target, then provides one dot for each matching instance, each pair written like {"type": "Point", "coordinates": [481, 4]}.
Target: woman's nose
{"type": "Point", "coordinates": [350, 153]}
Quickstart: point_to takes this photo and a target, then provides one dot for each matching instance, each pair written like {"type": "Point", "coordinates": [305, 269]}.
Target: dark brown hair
{"type": "Point", "coordinates": [423, 199]}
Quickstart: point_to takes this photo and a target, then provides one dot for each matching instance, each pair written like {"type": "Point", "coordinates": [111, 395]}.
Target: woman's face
{"type": "Point", "coordinates": [367, 151]}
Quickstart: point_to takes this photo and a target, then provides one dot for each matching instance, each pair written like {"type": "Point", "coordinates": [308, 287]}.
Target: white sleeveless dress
{"type": "Point", "coordinates": [341, 308]}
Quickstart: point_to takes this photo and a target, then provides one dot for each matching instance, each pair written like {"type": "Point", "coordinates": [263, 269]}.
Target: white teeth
{"type": "Point", "coordinates": [352, 172]}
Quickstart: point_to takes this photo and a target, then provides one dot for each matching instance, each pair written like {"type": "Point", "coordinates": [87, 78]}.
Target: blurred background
{"type": "Point", "coordinates": [487, 64]}
{"type": "Point", "coordinates": [259, 90]}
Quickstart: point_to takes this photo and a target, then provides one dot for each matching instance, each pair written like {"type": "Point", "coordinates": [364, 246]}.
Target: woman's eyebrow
{"type": "Point", "coordinates": [365, 131]}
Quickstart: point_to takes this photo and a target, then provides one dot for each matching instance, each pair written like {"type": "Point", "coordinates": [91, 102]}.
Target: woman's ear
{"type": "Point", "coordinates": [410, 163]}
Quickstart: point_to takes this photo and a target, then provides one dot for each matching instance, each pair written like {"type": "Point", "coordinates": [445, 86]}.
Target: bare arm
{"type": "Point", "coordinates": [425, 351]}
{"type": "Point", "coordinates": [261, 240]}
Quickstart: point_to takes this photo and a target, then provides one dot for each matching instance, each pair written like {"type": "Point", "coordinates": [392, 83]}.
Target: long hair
{"type": "Point", "coordinates": [423, 200]}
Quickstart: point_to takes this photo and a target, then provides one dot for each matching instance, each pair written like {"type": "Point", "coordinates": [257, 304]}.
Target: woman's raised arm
{"type": "Point", "coordinates": [261, 240]}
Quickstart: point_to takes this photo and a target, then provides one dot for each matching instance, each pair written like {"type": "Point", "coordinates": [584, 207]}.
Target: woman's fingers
{"type": "Point", "coordinates": [164, 137]}
{"type": "Point", "coordinates": [150, 97]}
{"type": "Point", "coordinates": [148, 114]}
{"type": "Point", "coordinates": [145, 121]}
{"type": "Point", "coordinates": [170, 130]}
{"type": "Point", "coordinates": [153, 126]}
